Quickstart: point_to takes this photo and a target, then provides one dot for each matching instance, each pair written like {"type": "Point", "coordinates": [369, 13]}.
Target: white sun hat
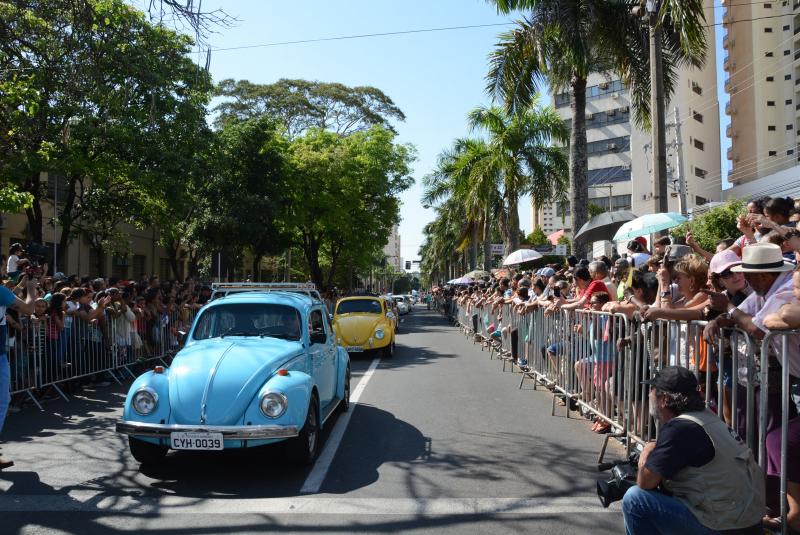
{"type": "Point", "coordinates": [762, 258]}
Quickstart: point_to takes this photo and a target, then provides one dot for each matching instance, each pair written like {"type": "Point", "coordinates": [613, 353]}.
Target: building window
{"type": "Point", "coordinates": [767, 6]}
{"type": "Point", "coordinates": [770, 103]}
{"type": "Point", "coordinates": [562, 209]}
{"type": "Point", "coordinates": [697, 117]}
{"type": "Point", "coordinates": [768, 55]}
{"type": "Point", "coordinates": [786, 52]}
{"type": "Point", "coordinates": [789, 127]}
{"type": "Point", "coordinates": [786, 27]}
{"type": "Point", "coordinates": [787, 76]}
{"type": "Point", "coordinates": [699, 144]}
{"type": "Point", "coordinates": [605, 146]}
{"type": "Point", "coordinates": [767, 30]}
{"type": "Point", "coordinates": [164, 269]}
{"type": "Point", "coordinates": [770, 78]}
{"type": "Point", "coordinates": [771, 128]}
{"type": "Point", "coordinates": [700, 173]}
{"type": "Point", "coordinates": [608, 175]}
{"type": "Point", "coordinates": [788, 101]}
{"type": "Point", "coordinates": [696, 88]}
{"type": "Point", "coordinates": [773, 153]}
{"type": "Point", "coordinates": [789, 152]}
{"type": "Point", "coordinates": [700, 201]}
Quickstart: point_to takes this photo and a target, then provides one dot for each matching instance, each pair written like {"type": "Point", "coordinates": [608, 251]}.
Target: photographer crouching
{"type": "Point", "coordinates": [9, 300]}
{"type": "Point", "coordinates": [698, 477]}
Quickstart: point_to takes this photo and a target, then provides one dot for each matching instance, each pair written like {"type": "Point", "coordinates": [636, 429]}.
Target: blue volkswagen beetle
{"type": "Point", "coordinates": [257, 368]}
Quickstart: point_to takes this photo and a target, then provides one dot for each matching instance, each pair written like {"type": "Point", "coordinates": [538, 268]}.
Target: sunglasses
{"type": "Point", "coordinates": [726, 274]}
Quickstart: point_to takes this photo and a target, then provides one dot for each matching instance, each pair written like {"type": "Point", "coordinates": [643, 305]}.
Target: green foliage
{"type": "Point", "coordinates": [564, 240]}
{"type": "Point", "coordinates": [301, 105]}
{"type": "Point", "coordinates": [537, 237]}
{"type": "Point", "coordinates": [717, 224]}
{"type": "Point", "coordinates": [343, 196]}
{"type": "Point", "coordinates": [595, 210]}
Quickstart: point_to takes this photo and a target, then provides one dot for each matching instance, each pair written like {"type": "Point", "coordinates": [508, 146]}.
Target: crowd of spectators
{"type": "Point", "coordinates": [750, 282]}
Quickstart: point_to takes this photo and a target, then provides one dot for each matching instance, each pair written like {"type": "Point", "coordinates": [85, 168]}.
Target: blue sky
{"type": "Point", "coordinates": [435, 78]}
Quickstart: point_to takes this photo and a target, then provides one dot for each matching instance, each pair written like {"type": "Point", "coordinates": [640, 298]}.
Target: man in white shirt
{"type": "Point", "coordinates": [12, 268]}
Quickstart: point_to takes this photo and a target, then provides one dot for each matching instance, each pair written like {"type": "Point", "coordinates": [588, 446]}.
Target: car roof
{"type": "Point", "coordinates": [353, 297]}
{"type": "Point", "coordinates": [297, 300]}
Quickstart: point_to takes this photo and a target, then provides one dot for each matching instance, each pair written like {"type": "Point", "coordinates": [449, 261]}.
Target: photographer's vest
{"type": "Point", "coordinates": [727, 492]}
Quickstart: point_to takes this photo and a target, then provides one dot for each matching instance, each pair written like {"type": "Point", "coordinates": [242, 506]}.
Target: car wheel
{"type": "Point", "coordinates": [344, 405]}
{"type": "Point", "coordinates": [304, 447]}
{"type": "Point", "coordinates": [145, 452]}
{"type": "Point", "coordinates": [388, 351]}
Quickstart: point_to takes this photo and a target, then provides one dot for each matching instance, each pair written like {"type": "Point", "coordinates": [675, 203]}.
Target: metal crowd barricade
{"type": "Point", "coordinates": [599, 361]}
{"type": "Point", "coordinates": [42, 355]}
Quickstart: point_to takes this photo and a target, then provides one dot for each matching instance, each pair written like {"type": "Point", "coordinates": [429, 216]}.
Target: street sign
{"type": "Point", "coordinates": [497, 249]}
{"type": "Point", "coordinates": [561, 250]}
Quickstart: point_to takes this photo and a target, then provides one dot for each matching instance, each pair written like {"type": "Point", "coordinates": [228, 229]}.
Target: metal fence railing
{"type": "Point", "coordinates": [45, 353]}
{"type": "Point", "coordinates": [595, 362]}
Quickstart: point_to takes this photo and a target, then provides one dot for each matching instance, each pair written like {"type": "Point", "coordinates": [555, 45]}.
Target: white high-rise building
{"type": "Point", "coordinates": [392, 250]}
{"type": "Point", "coordinates": [619, 153]}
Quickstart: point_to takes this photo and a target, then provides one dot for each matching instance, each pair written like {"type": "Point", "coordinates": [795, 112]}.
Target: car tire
{"type": "Point", "coordinates": [388, 351]}
{"type": "Point", "coordinates": [344, 405]}
{"type": "Point", "coordinates": [145, 452]}
{"type": "Point", "coordinates": [304, 448]}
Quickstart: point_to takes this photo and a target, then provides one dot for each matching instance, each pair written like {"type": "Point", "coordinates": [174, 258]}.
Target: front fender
{"type": "Point", "coordinates": [297, 386]}
{"type": "Point", "coordinates": [158, 382]}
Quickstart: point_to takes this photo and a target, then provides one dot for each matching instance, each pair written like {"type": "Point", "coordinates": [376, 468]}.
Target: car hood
{"type": "Point", "coordinates": [355, 329]}
{"type": "Point", "coordinates": [224, 375]}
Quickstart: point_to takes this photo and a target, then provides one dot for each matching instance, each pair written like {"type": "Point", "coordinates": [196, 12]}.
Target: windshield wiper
{"type": "Point", "coordinates": [233, 332]}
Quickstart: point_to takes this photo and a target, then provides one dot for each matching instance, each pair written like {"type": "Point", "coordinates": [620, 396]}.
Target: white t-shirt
{"type": "Point", "coordinates": [11, 267]}
{"type": "Point", "coordinates": [639, 259]}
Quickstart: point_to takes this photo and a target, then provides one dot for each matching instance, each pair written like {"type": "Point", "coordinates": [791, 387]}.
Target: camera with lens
{"type": "Point", "coordinates": [623, 477]}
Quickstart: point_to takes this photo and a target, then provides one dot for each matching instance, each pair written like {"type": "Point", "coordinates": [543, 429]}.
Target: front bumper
{"type": "Point", "coordinates": [239, 432]}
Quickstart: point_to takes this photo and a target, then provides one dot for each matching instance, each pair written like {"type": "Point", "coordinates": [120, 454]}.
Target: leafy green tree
{"type": "Point", "coordinates": [537, 237]}
{"type": "Point", "coordinates": [301, 105]}
{"type": "Point", "coordinates": [343, 195]}
{"type": "Point", "coordinates": [595, 210]}
{"type": "Point", "coordinates": [717, 224]}
{"type": "Point", "coordinates": [105, 91]}
{"type": "Point", "coordinates": [560, 42]}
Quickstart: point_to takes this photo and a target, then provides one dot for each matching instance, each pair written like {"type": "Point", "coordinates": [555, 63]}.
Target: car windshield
{"type": "Point", "coordinates": [364, 306]}
{"type": "Point", "coordinates": [249, 319]}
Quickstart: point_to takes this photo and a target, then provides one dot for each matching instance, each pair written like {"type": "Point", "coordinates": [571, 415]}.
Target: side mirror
{"type": "Point", "coordinates": [318, 337]}
{"type": "Point", "coordinates": [390, 314]}
{"type": "Point", "coordinates": [330, 317]}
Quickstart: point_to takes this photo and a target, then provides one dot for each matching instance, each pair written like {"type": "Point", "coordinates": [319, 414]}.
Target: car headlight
{"type": "Point", "coordinates": [273, 404]}
{"type": "Point", "coordinates": [144, 401]}
{"type": "Point", "coordinates": [379, 334]}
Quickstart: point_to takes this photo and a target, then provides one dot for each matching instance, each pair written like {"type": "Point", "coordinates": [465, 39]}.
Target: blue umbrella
{"type": "Point", "coordinates": [648, 224]}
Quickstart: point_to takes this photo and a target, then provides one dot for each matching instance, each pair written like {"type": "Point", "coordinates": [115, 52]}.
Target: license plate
{"type": "Point", "coordinates": [196, 441]}
{"type": "Point", "coordinates": [354, 349]}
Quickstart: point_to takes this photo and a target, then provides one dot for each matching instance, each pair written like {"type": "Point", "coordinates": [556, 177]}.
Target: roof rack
{"type": "Point", "coordinates": [307, 288]}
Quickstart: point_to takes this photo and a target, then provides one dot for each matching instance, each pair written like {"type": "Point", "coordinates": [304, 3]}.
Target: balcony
{"type": "Point", "coordinates": [730, 132]}
{"type": "Point", "coordinates": [726, 63]}
{"type": "Point", "coordinates": [729, 109]}
{"type": "Point", "coordinates": [727, 18]}
{"type": "Point", "coordinates": [729, 85]}
{"type": "Point", "coordinates": [727, 41]}
{"type": "Point", "coordinates": [730, 153]}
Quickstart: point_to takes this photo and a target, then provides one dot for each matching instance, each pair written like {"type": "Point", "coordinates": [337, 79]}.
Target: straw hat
{"type": "Point", "coordinates": [762, 258]}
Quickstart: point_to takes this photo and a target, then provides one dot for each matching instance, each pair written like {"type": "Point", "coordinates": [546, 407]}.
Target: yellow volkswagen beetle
{"type": "Point", "coordinates": [364, 323]}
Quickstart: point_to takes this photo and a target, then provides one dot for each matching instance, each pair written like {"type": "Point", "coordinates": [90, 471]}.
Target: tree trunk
{"type": "Point", "coordinates": [172, 254]}
{"type": "Point", "coordinates": [473, 247]}
{"type": "Point", "coordinates": [511, 230]}
{"type": "Point", "coordinates": [578, 163]}
{"type": "Point", "coordinates": [257, 267]}
{"type": "Point", "coordinates": [487, 243]}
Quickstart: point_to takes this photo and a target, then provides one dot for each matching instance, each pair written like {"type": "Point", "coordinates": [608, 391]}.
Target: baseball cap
{"type": "Point", "coordinates": [547, 272]}
{"type": "Point", "coordinates": [642, 240]}
{"type": "Point", "coordinates": [524, 283]}
{"type": "Point", "coordinates": [675, 379]}
{"type": "Point", "coordinates": [723, 261]}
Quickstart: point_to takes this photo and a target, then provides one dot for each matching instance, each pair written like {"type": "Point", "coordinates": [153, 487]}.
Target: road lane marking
{"type": "Point", "coordinates": [85, 501]}
{"type": "Point", "coordinates": [316, 478]}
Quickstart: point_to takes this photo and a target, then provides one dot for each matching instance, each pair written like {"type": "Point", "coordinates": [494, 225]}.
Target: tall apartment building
{"type": "Point", "coordinates": [620, 157]}
{"type": "Point", "coordinates": [762, 65]}
{"type": "Point", "coordinates": [392, 250]}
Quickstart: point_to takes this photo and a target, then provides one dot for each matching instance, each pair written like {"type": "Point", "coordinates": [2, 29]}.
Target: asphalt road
{"type": "Point", "coordinates": [440, 441]}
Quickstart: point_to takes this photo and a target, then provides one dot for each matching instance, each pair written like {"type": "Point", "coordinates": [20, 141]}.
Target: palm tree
{"type": "Point", "coordinates": [521, 159]}
{"type": "Point", "coordinates": [439, 255]}
{"type": "Point", "coordinates": [458, 175]}
{"type": "Point", "coordinates": [562, 41]}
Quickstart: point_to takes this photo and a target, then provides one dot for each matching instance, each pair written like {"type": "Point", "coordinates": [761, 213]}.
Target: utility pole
{"type": "Point", "coordinates": [679, 164]}
{"type": "Point", "coordinates": [660, 198]}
